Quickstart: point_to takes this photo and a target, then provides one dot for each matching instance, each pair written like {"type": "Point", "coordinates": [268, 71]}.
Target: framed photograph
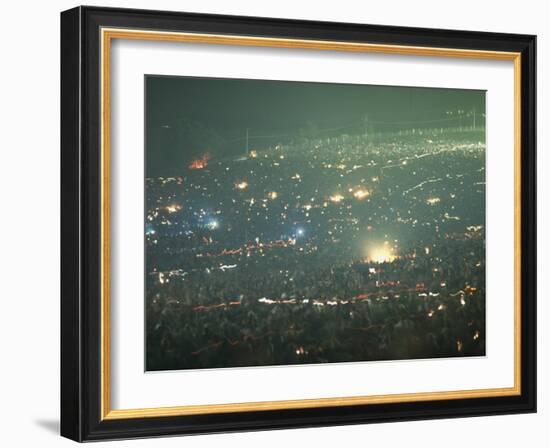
{"type": "Point", "coordinates": [275, 224]}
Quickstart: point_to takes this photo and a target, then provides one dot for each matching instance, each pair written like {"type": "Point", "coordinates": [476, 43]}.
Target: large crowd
{"type": "Point", "coordinates": [345, 312]}
{"type": "Point", "coordinates": [260, 261]}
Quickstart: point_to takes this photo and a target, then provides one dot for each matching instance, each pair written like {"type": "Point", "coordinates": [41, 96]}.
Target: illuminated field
{"type": "Point", "coordinates": [321, 246]}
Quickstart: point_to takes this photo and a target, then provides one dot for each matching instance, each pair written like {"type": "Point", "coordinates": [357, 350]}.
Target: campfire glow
{"type": "Point", "coordinates": [199, 164]}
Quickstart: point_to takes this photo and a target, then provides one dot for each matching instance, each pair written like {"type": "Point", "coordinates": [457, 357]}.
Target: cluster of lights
{"type": "Point", "coordinates": [361, 194]}
{"type": "Point", "coordinates": [381, 254]}
{"type": "Point", "coordinates": [336, 198]}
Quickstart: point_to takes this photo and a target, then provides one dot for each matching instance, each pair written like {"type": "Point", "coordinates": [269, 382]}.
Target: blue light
{"type": "Point", "coordinates": [213, 224]}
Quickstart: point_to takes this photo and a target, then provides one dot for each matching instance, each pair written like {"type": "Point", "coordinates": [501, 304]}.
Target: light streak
{"type": "Point", "coordinates": [421, 184]}
{"type": "Point", "coordinates": [224, 267]}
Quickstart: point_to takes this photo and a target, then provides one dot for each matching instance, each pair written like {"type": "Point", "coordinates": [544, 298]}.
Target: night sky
{"type": "Point", "coordinates": [187, 117]}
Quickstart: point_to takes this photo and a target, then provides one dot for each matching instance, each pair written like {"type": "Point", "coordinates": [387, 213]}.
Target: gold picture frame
{"type": "Point", "coordinates": [107, 33]}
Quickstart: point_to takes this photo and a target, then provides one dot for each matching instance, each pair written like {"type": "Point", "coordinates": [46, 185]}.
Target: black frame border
{"type": "Point", "coordinates": [81, 223]}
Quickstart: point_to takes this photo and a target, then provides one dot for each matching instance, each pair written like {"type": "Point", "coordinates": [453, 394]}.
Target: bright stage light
{"type": "Point", "coordinates": [381, 254]}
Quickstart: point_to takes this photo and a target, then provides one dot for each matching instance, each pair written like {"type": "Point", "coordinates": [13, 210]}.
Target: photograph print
{"type": "Point", "coordinates": [302, 223]}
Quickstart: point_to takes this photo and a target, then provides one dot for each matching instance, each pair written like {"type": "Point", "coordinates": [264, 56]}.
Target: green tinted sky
{"type": "Point", "coordinates": [187, 116]}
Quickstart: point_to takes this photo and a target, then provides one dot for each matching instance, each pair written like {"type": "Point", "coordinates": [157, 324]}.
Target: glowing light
{"type": "Point", "coordinates": [300, 232]}
{"type": "Point", "coordinates": [253, 154]}
{"type": "Point", "coordinates": [243, 185]}
{"type": "Point", "coordinates": [361, 194]}
{"type": "Point", "coordinates": [432, 201]}
{"type": "Point", "coordinates": [381, 254]}
{"type": "Point", "coordinates": [173, 208]}
{"type": "Point", "coordinates": [201, 163]}
{"type": "Point", "coordinates": [272, 195]}
{"type": "Point", "coordinates": [336, 198]}
{"type": "Point", "coordinates": [227, 266]}
{"type": "Point", "coordinates": [213, 224]}
{"type": "Point", "coordinates": [474, 228]}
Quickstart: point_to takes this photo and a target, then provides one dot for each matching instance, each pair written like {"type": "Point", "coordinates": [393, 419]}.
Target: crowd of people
{"type": "Point", "coordinates": [393, 321]}
{"type": "Point", "coordinates": [262, 262]}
